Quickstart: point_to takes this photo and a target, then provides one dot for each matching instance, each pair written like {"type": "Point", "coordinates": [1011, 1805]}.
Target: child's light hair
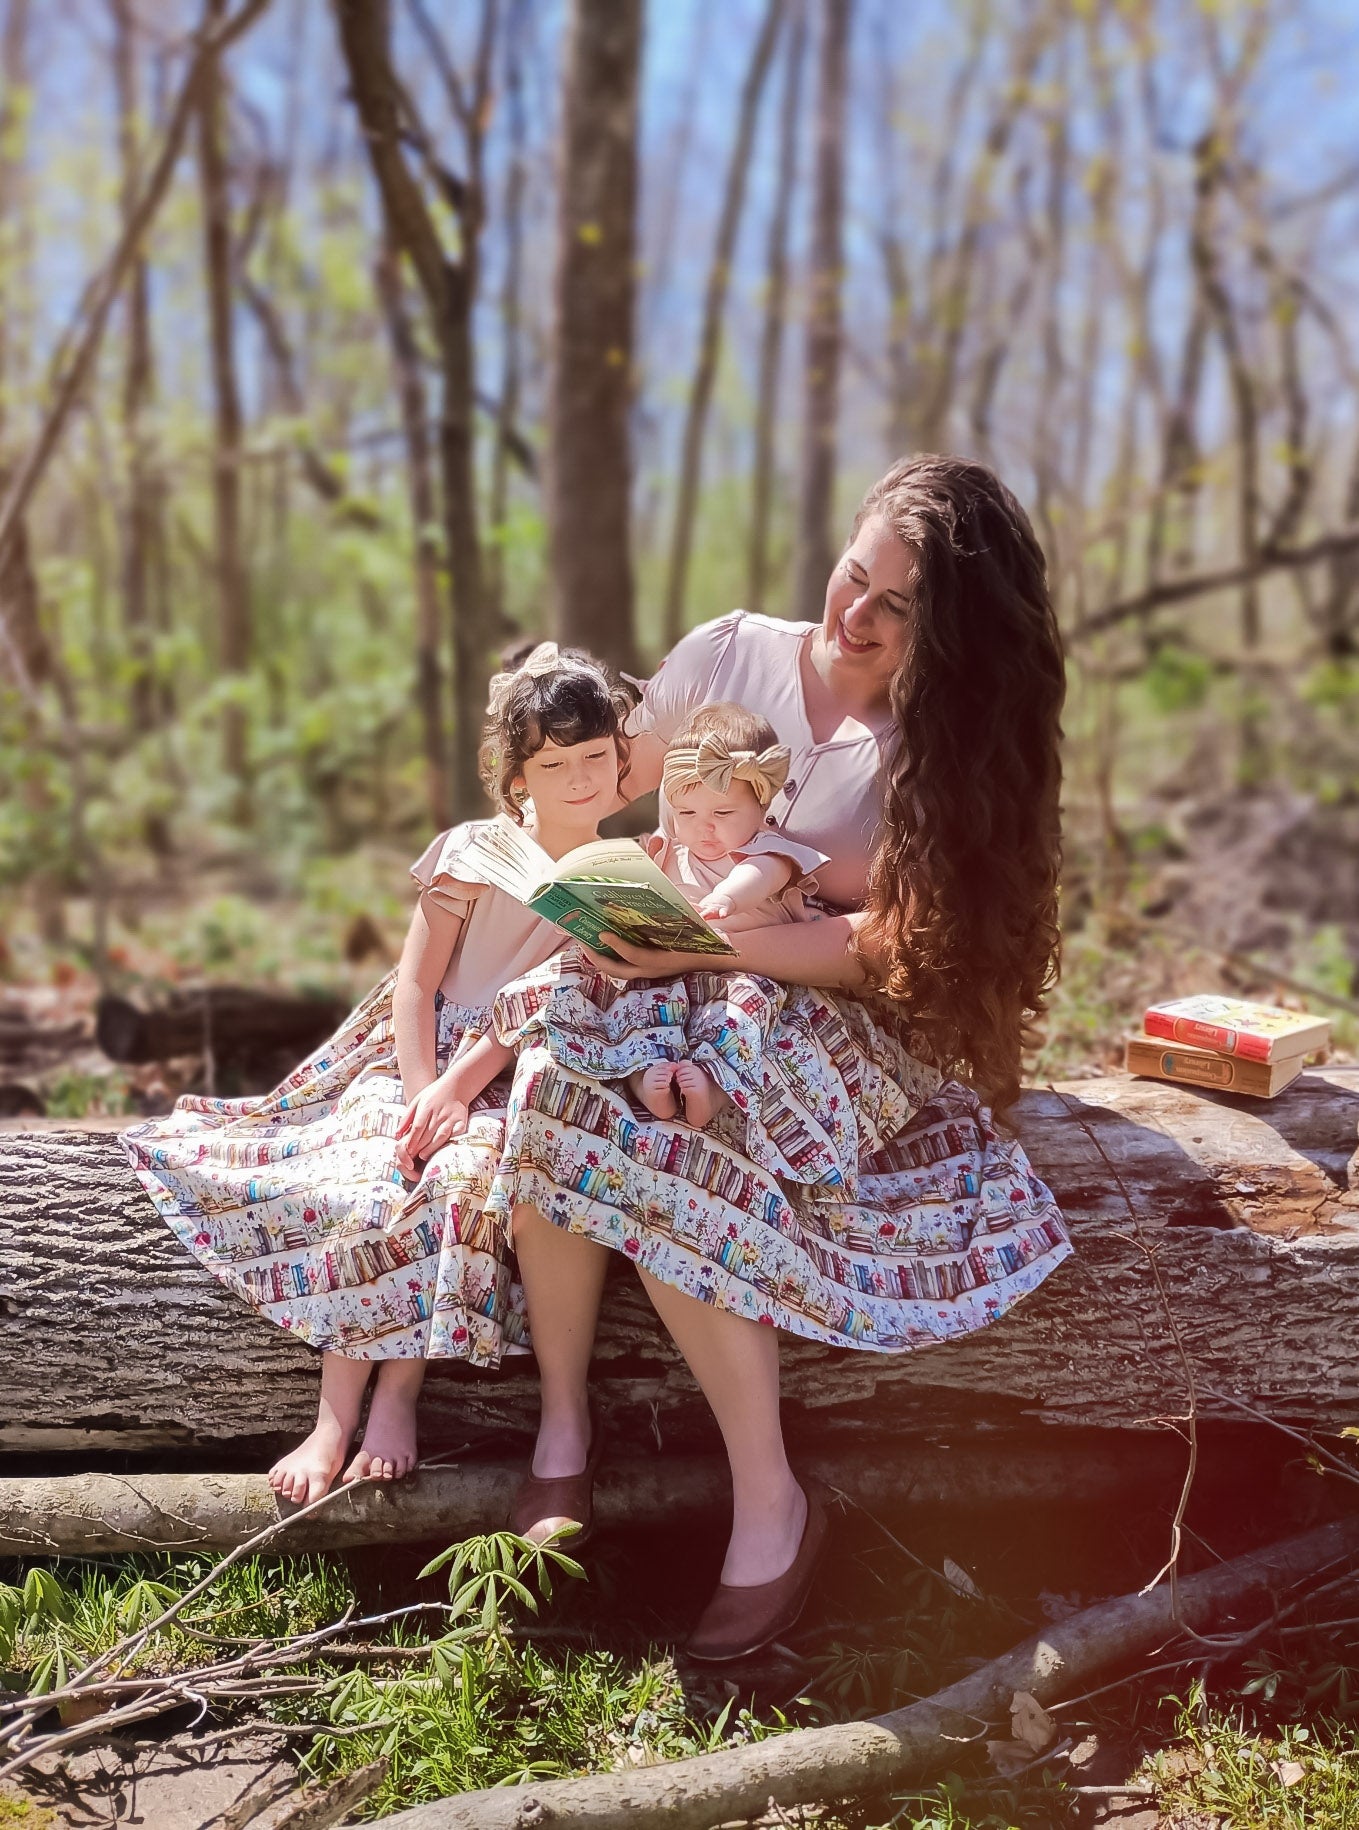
{"type": "Point", "coordinates": [561, 695]}
{"type": "Point", "coordinates": [722, 744]}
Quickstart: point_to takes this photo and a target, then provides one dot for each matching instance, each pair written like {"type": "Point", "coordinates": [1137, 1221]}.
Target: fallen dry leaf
{"type": "Point", "coordinates": [1030, 1723]}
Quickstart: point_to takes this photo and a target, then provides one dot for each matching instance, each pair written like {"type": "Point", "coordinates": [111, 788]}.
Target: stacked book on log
{"type": "Point", "coordinates": [1226, 1044]}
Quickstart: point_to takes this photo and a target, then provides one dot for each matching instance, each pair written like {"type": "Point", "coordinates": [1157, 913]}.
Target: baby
{"type": "Point", "coordinates": [718, 847]}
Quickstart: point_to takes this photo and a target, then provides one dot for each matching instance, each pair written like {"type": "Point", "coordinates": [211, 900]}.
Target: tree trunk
{"type": "Point", "coordinates": [816, 496]}
{"type": "Point", "coordinates": [589, 469]}
{"type": "Point", "coordinates": [232, 591]}
{"type": "Point", "coordinates": [710, 333]}
{"type": "Point", "coordinates": [775, 315]}
{"type": "Point", "coordinates": [141, 517]}
{"type": "Point", "coordinates": [448, 288]}
{"type": "Point", "coordinates": [1242, 1209]}
{"type": "Point", "coordinates": [429, 687]}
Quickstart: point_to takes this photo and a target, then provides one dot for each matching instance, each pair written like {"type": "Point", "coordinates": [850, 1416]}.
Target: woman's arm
{"type": "Point", "coordinates": [430, 943]}
{"type": "Point", "coordinates": [800, 953]}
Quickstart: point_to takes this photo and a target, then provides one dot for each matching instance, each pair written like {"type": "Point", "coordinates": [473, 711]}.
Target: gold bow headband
{"type": "Point", "coordinates": [712, 765]}
{"type": "Point", "coordinates": [547, 658]}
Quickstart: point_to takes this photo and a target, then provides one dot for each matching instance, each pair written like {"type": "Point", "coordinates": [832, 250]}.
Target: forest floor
{"type": "Point", "coordinates": [1260, 896]}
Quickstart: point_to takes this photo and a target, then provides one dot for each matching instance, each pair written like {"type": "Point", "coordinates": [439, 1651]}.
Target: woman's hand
{"type": "Point", "coordinates": [636, 962]}
{"type": "Point", "coordinates": [433, 1118]}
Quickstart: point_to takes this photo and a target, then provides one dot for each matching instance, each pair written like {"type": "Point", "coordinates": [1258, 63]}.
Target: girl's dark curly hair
{"type": "Point", "coordinates": [573, 701]}
{"type": "Point", "coordinates": [962, 901]}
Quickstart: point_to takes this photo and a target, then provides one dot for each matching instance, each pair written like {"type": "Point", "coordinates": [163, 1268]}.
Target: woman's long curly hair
{"type": "Point", "coordinates": [962, 898]}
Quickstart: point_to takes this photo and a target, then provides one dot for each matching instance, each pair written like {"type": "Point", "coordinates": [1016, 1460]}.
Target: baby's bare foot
{"type": "Point", "coordinates": [388, 1451]}
{"type": "Point", "coordinates": [653, 1086]}
{"type": "Point", "coordinates": [703, 1098]}
{"type": "Point", "coordinates": [306, 1472]}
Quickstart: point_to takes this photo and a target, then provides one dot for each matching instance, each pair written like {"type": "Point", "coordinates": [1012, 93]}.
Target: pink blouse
{"type": "Point", "coordinates": [832, 799]}
{"type": "Point", "coordinates": [500, 941]}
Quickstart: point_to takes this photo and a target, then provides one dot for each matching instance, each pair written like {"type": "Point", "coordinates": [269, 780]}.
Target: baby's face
{"type": "Point", "coordinates": [712, 824]}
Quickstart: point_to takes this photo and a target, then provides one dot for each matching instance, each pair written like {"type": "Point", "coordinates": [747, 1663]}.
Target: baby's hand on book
{"type": "Point", "coordinates": [433, 1118]}
{"type": "Point", "coordinates": [717, 906]}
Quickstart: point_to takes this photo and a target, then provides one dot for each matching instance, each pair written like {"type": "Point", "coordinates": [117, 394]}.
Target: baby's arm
{"type": "Point", "coordinates": [748, 884]}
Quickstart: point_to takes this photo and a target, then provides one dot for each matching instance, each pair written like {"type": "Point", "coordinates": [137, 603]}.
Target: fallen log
{"type": "Point", "coordinates": [99, 1514]}
{"type": "Point", "coordinates": [908, 1746]}
{"type": "Point", "coordinates": [1241, 1246]}
{"type": "Point", "coordinates": [236, 1025]}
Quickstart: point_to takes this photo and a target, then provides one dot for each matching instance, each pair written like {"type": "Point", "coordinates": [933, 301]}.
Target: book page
{"type": "Point", "coordinates": [510, 859]}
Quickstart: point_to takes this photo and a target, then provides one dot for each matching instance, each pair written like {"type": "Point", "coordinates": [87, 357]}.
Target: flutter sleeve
{"type": "Point", "coordinates": [685, 679]}
{"type": "Point", "coordinates": [770, 842]}
{"type": "Point", "coordinates": [446, 872]}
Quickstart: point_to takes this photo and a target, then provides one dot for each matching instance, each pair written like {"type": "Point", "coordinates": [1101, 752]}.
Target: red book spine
{"type": "Point", "coordinates": [1242, 1042]}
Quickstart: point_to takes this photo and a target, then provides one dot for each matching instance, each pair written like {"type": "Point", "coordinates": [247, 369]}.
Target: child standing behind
{"type": "Point", "coordinates": [347, 1205]}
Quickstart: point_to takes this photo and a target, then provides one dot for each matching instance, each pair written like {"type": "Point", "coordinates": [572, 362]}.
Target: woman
{"type": "Point", "coordinates": [923, 717]}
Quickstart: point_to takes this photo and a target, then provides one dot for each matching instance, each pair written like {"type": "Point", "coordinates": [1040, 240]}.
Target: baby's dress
{"type": "Point", "coordinates": [294, 1201]}
{"type": "Point", "coordinates": [781, 1116]}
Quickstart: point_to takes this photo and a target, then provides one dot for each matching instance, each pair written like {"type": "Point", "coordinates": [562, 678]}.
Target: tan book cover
{"type": "Point", "coordinates": [1202, 1067]}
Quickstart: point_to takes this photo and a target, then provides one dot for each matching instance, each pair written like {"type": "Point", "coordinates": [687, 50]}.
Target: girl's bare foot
{"type": "Point", "coordinates": [703, 1098]}
{"type": "Point", "coordinates": [306, 1472]}
{"type": "Point", "coordinates": [653, 1086]}
{"type": "Point", "coordinates": [388, 1451]}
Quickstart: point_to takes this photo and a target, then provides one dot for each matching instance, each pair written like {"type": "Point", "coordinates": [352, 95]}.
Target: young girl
{"type": "Point", "coordinates": [348, 1206]}
{"type": "Point", "coordinates": [718, 846]}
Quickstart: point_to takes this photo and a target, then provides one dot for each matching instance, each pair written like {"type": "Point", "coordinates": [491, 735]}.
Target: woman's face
{"type": "Point", "coordinates": [868, 601]}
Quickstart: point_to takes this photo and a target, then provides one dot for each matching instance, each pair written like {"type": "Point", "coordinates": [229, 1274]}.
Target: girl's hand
{"type": "Point", "coordinates": [718, 906]}
{"type": "Point", "coordinates": [636, 962]}
{"type": "Point", "coordinates": [432, 1119]}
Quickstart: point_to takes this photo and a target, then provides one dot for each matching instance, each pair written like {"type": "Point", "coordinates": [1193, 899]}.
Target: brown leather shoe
{"type": "Point", "coordinates": [739, 1621]}
{"type": "Point", "coordinates": [543, 1504]}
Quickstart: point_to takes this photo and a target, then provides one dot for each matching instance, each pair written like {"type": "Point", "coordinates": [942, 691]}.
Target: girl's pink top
{"type": "Point", "coordinates": [699, 877]}
{"type": "Point", "coordinates": [833, 797]}
{"type": "Point", "coordinates": [500, 939]}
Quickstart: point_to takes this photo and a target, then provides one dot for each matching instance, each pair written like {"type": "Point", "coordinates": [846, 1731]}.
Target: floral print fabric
{"type": "Point", "coordinates": [850, 1196]}
{"type": "Point", "coordinates": [294, 1201]}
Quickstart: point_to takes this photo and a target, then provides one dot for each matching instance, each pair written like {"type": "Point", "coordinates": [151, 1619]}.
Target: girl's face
{"type": "Point", "coordinates": [868, 602]}
{"type": "Point", "coordinates": [573, 784]}
{"type": "Point", "coordinates": [713, 824]}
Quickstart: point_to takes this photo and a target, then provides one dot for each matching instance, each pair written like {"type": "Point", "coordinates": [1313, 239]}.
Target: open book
{"type": "Point", "coordinates": [610, 885]}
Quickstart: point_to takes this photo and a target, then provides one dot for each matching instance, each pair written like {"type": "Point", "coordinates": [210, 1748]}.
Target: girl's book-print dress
{"type": "Point", "coordinates": [293, 1199]}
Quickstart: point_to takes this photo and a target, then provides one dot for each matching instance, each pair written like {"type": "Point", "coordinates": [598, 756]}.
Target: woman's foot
{"type": "Point", "coordinates": [558, 1492]}
{"type": "Point", "coordinates": [743, 1618]}
{"type": "Point", "coordinates": [654, 1087]}
{"type": "Point", "coordinates": [309, 1470]}
{"type": "Point", "coordinates": [388, 1451]}
{"type": "Point", "coordinates": [765, 1536]}
{"type": "Point", "coordinates": [703, 1098]}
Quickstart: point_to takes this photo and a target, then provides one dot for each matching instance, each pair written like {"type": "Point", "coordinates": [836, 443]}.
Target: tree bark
{"type": "Point", "coordinates": [710, 332]}
{"type": "Point", "coordinates": [590, 392]}
{"type": "Point", "coordinates": [815, 553]}
{"type": "Point", "coordinates": [429, 683]}
{"type": "Point", "coordinates": [230, 579]}
{"type": "Point", "coordinates": [100, 1514]}
{"type": "Point", "coordinates": [141, 517]}
{"type": "Point", "coordinates": [112, 1338]}
{"type": "Point", "coordinates": [775, 316]}
{"type": "Point", "coordinates": [448, 290]}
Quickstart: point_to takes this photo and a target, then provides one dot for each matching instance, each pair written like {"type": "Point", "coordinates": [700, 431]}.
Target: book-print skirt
{"type": "Point", "coordinates": [294, 1201]}
{"type": "Point", "coordinates": [849, 1195]}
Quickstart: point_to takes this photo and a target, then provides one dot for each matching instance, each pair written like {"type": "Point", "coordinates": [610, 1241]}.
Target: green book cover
{"type": "Point", "coordinates": [633, 911]}
{"type": "Point", "coordinates": [609, 886]}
